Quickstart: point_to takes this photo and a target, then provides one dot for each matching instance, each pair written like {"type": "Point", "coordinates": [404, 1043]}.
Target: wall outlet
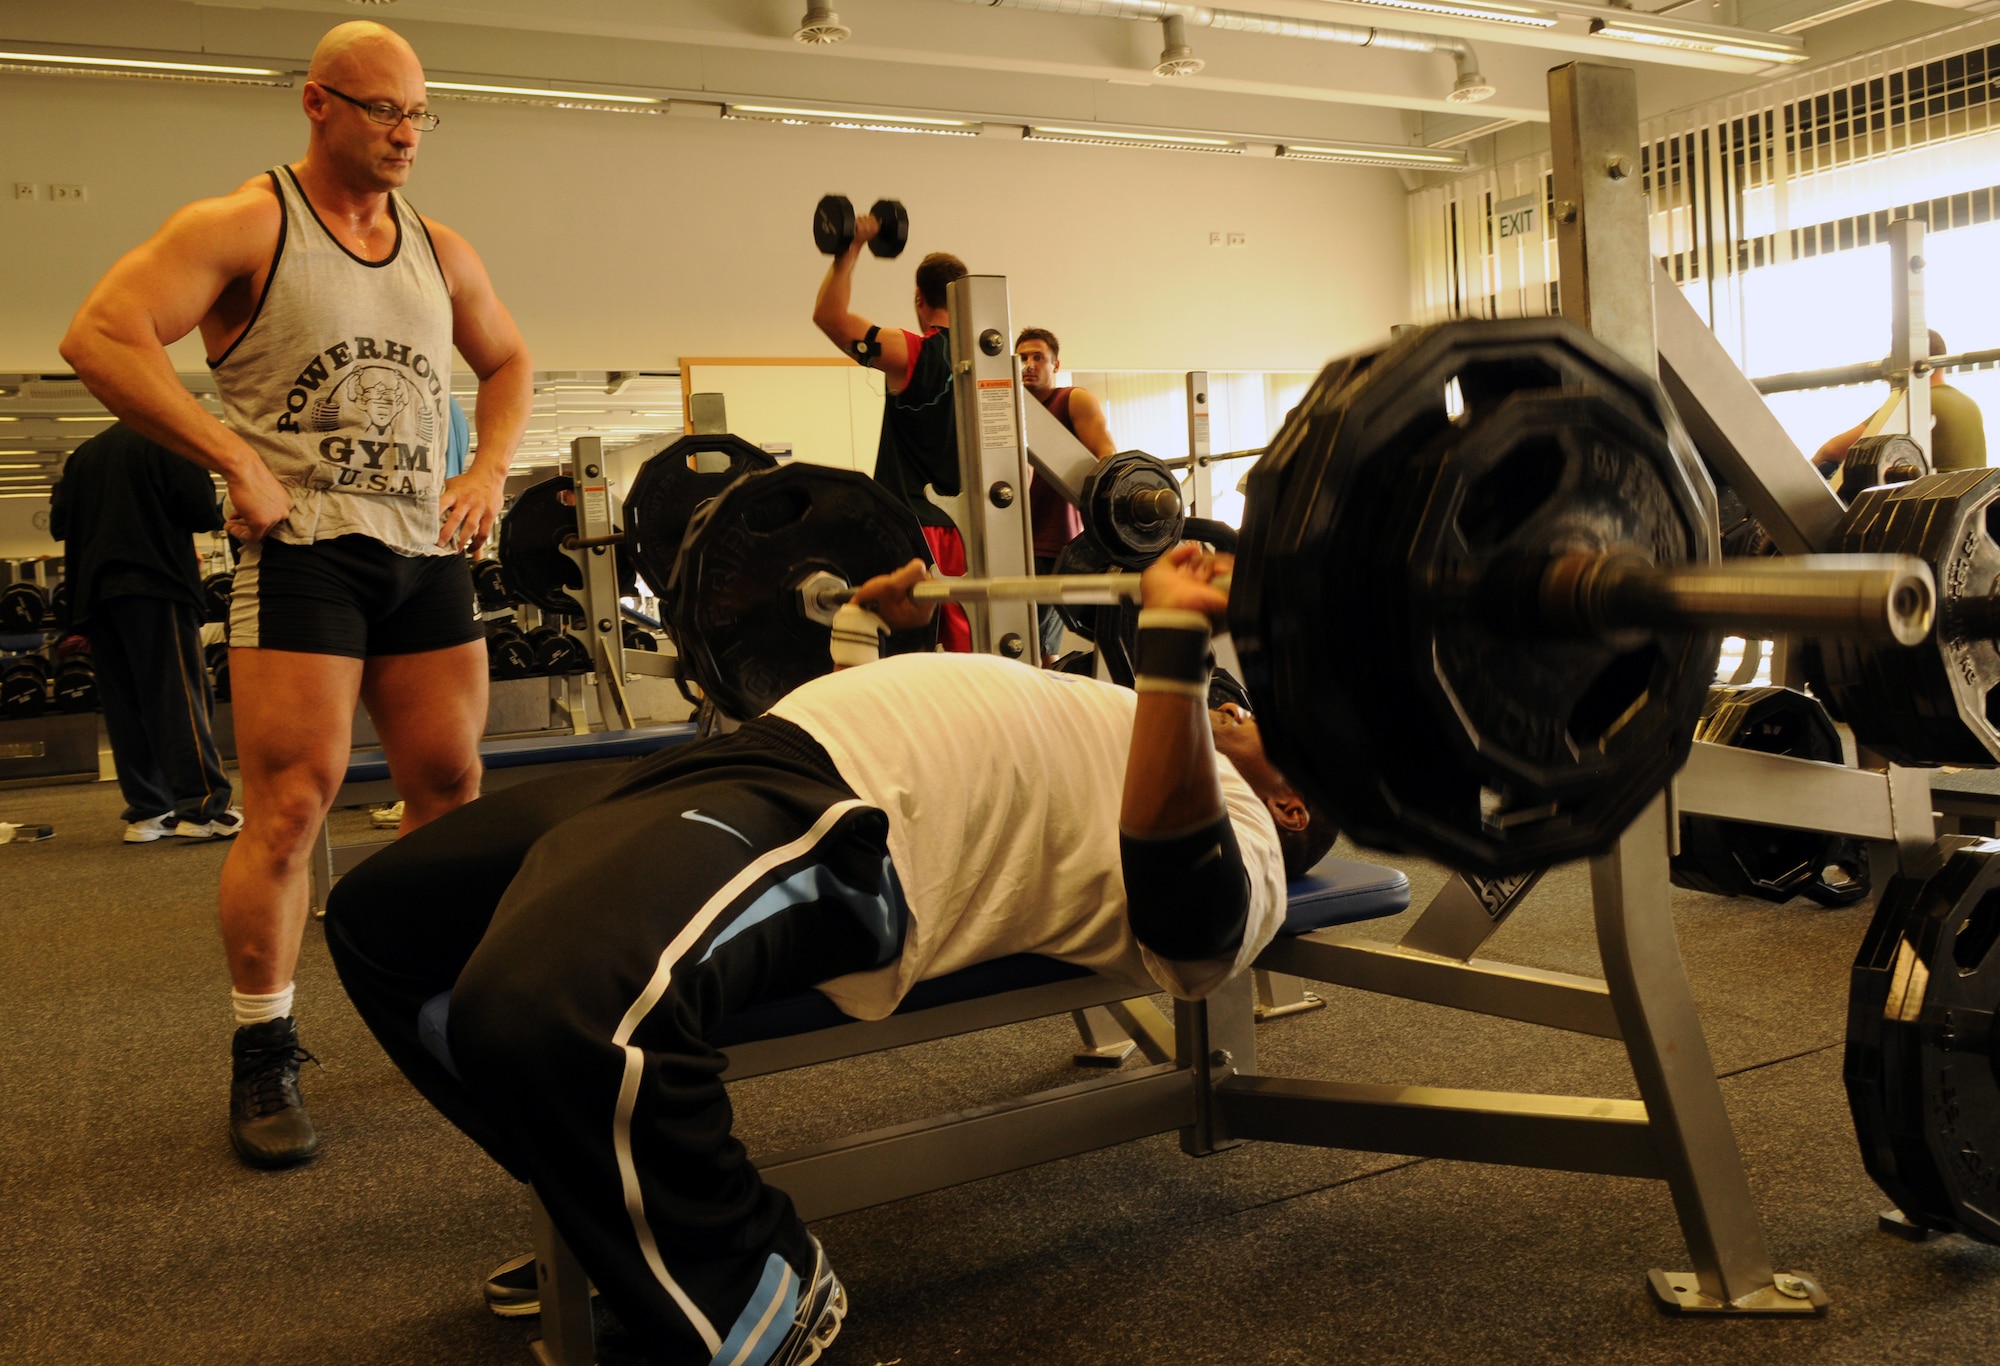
{"type": "Point", "coordinates": [1237, 239]}
{"type": "Point", "coordinates": [67, 194]}
{"type": "Point", "coordinates": [1214, 238]}
{"type": "Point", "coordinates": [23, 190]}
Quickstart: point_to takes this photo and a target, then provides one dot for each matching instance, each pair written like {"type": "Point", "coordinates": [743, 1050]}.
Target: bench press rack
{"type": "Point", "coordinates": [1201, 1076]}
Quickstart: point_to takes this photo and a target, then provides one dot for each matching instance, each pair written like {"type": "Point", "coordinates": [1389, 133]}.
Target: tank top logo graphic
{"type": "Point", "coordinates": [382, 408]}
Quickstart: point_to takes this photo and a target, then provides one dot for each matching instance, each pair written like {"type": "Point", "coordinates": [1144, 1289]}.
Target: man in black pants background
{"type": "Point", "coordinates": [127, 510]}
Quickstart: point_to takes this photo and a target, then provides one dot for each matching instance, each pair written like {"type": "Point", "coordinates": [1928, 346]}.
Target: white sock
{"type": "Point", "coordinates": [251, 1010]}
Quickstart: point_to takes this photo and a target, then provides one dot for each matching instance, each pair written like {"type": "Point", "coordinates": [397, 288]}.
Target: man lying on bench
{"type": "Point", "coordinates": [879, 826]}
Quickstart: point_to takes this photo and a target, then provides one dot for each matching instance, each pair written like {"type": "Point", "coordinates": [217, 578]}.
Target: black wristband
{"type": "Point", "coordinates": [1171, 652]}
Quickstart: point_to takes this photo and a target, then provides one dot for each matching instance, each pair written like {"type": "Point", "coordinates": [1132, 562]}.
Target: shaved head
{"type": "Point", "coordinates": [360, 49]}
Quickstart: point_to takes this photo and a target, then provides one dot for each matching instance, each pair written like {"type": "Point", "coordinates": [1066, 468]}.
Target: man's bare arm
{"type": "Point", "coordinates": [1087, 413]}
{"type": "Point", "coordinates": [485, 335]}
{"type": "Point", "coordinates": [833, 313]}
{"type": "Point", "coordinates": [155, 295]}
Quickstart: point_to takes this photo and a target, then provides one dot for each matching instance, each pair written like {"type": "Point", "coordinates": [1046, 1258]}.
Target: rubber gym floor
{"type": "Point", "coordinates": [132, 1235]}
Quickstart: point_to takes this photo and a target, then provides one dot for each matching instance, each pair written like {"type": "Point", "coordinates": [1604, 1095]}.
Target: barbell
{"type": "Point", "coordinates": [1477, 597]}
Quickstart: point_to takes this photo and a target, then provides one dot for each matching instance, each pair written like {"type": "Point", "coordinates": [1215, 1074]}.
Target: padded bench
{"type": "Point", "coordinates": [809, 1028]}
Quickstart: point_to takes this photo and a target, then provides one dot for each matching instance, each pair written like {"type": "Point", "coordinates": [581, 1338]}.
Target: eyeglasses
{"type": "Point", "coordinates": [386, 114]}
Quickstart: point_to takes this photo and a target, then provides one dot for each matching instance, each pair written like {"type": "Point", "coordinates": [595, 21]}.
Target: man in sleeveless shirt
{"type": "Point", "coordinates": [1055, 522]}
{"type": "Point", "coordinates": [919, 443]}
{"type": "Point", "coordinates": [1958, 433]}
{"type": "Point", "coordinates": [330, 311]}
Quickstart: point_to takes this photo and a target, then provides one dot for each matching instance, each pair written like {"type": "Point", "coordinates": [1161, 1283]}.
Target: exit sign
{"type": "Point", "coordinates": [1517, 217]}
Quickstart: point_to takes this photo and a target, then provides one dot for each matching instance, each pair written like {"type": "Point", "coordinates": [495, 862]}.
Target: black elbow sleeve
{"type": "Point", "coordinates": [1187, 897]}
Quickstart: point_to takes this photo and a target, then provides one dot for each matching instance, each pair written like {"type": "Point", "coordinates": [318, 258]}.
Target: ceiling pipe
{"type": "Point", "coordinates": [1469, 88]}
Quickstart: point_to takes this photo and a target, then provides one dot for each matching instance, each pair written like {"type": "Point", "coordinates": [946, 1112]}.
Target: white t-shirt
{"type": "Point", "coordinates": [1002, 784]}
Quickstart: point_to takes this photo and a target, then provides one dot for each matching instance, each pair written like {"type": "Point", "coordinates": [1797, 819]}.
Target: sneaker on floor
{"type": "Point", "coordinates": [267, 1118]}
{"type": "Point", "coordinates": [386, 817]}
{"type": "Point", "coordinates": [514, 1290]}
{"type": "Point", "coordinates": [145, 832]}
{"type": "Point", "coordinates": [222, 827]}
{"type": "Point", "coordinates": [822, 1305]}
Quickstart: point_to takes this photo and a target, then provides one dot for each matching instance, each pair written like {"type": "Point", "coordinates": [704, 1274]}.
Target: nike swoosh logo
{"type": "Point", "coordinates": [710, 820]}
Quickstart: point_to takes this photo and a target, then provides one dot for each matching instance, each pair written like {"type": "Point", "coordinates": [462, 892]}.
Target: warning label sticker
{"type": "Point", "coordinates": [996, 412]}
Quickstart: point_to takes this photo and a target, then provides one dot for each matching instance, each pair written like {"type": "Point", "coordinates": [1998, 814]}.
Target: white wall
{"type": "Point", "coordinates": [630, 241]}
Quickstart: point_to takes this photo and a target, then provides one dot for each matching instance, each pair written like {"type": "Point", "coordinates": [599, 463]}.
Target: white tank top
{"type": "Point", "coordinates": [342, 380]}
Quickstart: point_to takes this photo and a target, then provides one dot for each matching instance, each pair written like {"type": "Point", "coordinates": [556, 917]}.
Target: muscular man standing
{"type": "Point", "coordinates": [919, 443]}
{"type": "Point", "coordinates": [1055, 522]}
{"type": "Point", "coordinates": [329, 311]}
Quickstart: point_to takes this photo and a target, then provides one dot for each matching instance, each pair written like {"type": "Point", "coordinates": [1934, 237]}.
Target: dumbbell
{"type": "Point", "coordinates": [75, 678]}
{"type": "Point", "coordinates": [22, 607]}
{"type": "Point", "coordinates": [558, 652]}
{"type": "Point", "coordinates": [216, 656]}
{"type": "Point", "coordinates": [638, 637]}
{"type": "Point", "coordinates": [489, 586]}
{"type": "Point", "coordinates": [508, 654]}
{"type": "Point", "coordinates": [24, 685]}
{"type": "Point", "coordinates": [216, 591]}
{"type": "Point", "coordinates": [833, 226]}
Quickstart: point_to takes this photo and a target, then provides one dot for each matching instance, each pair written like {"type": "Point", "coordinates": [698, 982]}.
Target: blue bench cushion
{"type": "Point", "coordinates": [369, 765]}
{"type": "Point", "coordinates": [1336, 892]}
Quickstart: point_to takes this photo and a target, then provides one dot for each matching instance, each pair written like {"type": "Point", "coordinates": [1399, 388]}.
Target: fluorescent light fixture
{"type": "Point", "coordinates": [1723, 42]}
{"type": "Point", "coordinates": [1364, 154]}
{"type": "Point", "coordinates": [1495, 14]}
{"type": "Point", "coordinates": [106, 418]}
{"type": "Point", "coordinates": [38, 493]}
{"type": "Point", "coordinates": [66, 63]}
{"type": "Point", "coordinates": [582, 99]}
{"type": "Point", "coordinates": [1049, 133]}
{"type": "Point", "coordinates": [779, 111]}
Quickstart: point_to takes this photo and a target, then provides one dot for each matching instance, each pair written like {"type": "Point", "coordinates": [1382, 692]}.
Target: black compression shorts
{"type": "Point", "coordinates": [352, 596]}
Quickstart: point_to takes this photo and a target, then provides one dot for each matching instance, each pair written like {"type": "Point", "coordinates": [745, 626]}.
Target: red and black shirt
{"type": "Point", "coordinates": [919, 443]}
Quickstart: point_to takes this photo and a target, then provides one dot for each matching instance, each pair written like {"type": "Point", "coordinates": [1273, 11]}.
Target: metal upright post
{"type": "Point", "coordinates": [1201, 498]}
{"type": "Point", "coordinates": [1909, 333]}
{"type": "Point", "coordinates": [1604, 242]}
{"type": "Point", "coordinates": [569, 1332]}
{"type": "Point", "coordinates": [604, 630]}
{"type": "Point", "coordinates": [992, 449]}
{"type": "Point", "coordinates": [1676, 1075]}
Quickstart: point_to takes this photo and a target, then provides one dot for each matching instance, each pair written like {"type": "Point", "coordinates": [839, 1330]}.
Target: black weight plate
{"type": "Point", "coordinates": [733, 603]}
{"type": "Point", "coordinates": [671, 485]}
{"type": "Point", "coordinates": [1919, 1067]}
{"type": "Point", "coordinates": [24, 686]}
{"type": "Point", "coordinates": [638, 637]}
{"type": "Point", "coordinates": [1082, 555]}
{"type": "Point", "coordinates": [895, 228]}
{"type": "Point", "coordinates": [532, 560]}
{"type": "Point", "coordinates": [1218, 536]}
{"type": "Point", "coordinates": [1378, 527]}
{"type": "Point", "coordinates": [1124, 506]}
{"type": "Point", "coordinates": [1934, 703]}
{"type": "Point", "coordinates": [833, 224]}
{"type": "Point", "coordinates": [1877, 460]}
{"type": "Point", "coordinates": [1737, 858]}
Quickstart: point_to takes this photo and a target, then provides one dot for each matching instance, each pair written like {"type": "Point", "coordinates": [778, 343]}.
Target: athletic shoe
{"type": "Point", "coordinates": [817, 1322]}
{"type": "Point", "coordinates": [386, 817]}
{"type": "Point", "coordinates": [145, 832]}
{"type": "Point", "coordinates": [514, 1290]}
{"type": "Point", "coordinates": [267, 1118]}
{"type": "Point", "coordinates": [222, 827]}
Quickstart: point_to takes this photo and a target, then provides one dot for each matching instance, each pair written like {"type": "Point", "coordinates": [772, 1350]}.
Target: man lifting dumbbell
{"type": "Point", "coordinates": [919, 441]}
{"type": "Point", "coordinates": [593, 929]}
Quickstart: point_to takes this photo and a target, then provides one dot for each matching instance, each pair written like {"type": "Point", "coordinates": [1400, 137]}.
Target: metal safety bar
{"type": "Point", "coordinates": [1871, 372]}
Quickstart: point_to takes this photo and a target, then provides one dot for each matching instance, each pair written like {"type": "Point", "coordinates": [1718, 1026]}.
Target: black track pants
{"type": "Point", "coordinates": [153, 686]}
{"type": "Point", "coordinates": [593, 928]}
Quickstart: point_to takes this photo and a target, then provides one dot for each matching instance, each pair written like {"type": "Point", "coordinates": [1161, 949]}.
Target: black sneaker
{"type": "Point", "coordinates": [822, 1305]}
{"type": "Point", "coordinates": [267, 1119]}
